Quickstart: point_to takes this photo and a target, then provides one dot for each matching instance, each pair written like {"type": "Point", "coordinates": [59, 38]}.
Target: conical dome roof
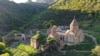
{"type": "Point", "coordinates": [74, 22]}
{"type": "Point", "coordinates": [54, 27]}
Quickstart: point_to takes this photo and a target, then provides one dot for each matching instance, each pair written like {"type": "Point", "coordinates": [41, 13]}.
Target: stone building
{"type": "Point", "coordinates": [14, 36]}
{"type": "Point", "coordinates": [72, 36]}
{"type": "Point", "coordinates": [34, 43]}
{"type": "Point", "coordinates": [53, 32]}
{"type": "Point", "coordinates": [38, 40]}
{"type": "Point", "coordinates": [20, 36]}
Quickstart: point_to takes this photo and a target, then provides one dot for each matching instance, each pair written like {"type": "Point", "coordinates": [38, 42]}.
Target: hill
{"type": "Point", "coordinates": [62, 12]}
{"type": "Point", "coordinates": [13, 16]}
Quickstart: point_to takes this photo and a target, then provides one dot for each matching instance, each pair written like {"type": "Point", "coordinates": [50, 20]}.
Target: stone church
{"type": "Point", "coordinates": [72, 36]}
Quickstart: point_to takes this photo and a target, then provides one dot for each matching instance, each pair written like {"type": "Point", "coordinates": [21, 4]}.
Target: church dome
{"type": "Point", "coordinates": [74, 22]}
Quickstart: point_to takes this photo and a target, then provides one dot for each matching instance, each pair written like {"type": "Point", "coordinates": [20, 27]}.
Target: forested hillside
{"type": "Point", "coordinates": [36, 15]}
{"type": "Point", "coordinates": [13, 16]}
{"type": "Point", "coordinates": [62, 12]}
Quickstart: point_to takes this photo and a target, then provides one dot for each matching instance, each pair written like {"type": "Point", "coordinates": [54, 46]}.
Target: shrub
{"type": "Point", "coordinates": [96, 50]}
{"type": "Point", "coordinates": [5, 54]}
{"type": "Point", "coordinates": [2, 47]}
{"type": "Point", "coordinates": [30, 50]}
{"type": "Point", "coordinates": [11, 50]}
{"type": "Point", "coordinates": [50, 40]}
{"type": "Point", "coordinates": [21, 53]}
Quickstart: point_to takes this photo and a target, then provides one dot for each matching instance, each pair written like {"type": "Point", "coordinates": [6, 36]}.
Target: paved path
{"type": "Point", "coordinates": [87, 31]}
{"type": "Point", "coordinates": [82, 51]}
{"type": "Point", "coordinates": [64, 52]}
{"type": "Point", "coordinates": [92, 37]}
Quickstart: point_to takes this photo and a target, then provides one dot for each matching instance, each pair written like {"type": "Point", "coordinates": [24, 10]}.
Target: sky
{"type": "Point", "coordinates": [22, 1]}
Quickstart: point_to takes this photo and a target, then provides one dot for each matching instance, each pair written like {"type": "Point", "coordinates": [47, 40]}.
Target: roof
{"type": "Point", "coordinates": [39, 37]}
{"type": "Point", "coordinates": [74, 22]}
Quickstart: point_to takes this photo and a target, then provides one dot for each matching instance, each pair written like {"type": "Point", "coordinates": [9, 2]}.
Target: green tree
{"type": "Point", "coordinates": [5, 54]}
{"type": "Point", "coordinates": [30, 50]}
{"type": "Point", "coordinates": [47, 24]}
{"type": "Point", "coordinates": [96, 50]}
{"type": "Point", "coordinates": [2, 47]}
{"type": "Point", "coordinates": [21, 53]}
{"type": "Point", "coordinates": [52, 47]}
